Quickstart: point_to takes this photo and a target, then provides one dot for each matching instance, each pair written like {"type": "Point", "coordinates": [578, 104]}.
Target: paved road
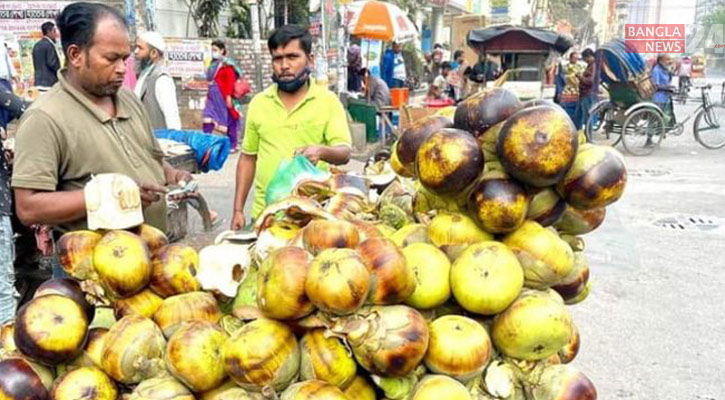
{"type": "Point", "coordinates": [653, 327]}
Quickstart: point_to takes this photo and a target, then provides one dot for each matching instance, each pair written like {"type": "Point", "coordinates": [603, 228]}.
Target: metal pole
{"type": "Point", "coordinates": [286, 12]}
{"type": "Point", "coordinates": [343, 40]}
{"type": "Point", "coordinates": [323, 36]}
{"type": "Point", "coordinates": [254, 10]}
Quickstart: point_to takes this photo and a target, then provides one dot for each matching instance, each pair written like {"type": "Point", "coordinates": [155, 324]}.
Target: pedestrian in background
{"type": "Point", "coordinates": [587, 94]}
{"type": "Point", "coordinates": [155, 86]}
{"type": "Point", "coordinates": [440, 89]}
{"type": "Point", "coordinates": [8, 295]}
{"type": "Point", "coordinates": [662, 80]}
{"type": "Point", "coordinates": [394, 72]}
{"type": "Point", "coordinates": [684, 71]}
{"type": "Point", "coordinates": [46, 61]}
{"type": "Point", "coordinates": [456, 78]}
{"type": "Point", "coordinates": [7, 75]}
{"type": "Point", "coordinates": [220, 114]}
{"type": "Point", "coordinates": [435, 62]}
{"type": "Point", "coordinates": [354, 69]}
{"type": "Point", "coordinates": [569, 97]}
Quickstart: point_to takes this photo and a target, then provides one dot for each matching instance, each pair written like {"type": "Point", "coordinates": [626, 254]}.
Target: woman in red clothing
{"type": "Point", "coordinates": [220, 115]}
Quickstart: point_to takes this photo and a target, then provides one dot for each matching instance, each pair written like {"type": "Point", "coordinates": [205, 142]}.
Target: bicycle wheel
{"type": "Point", "coordinates": [643, 131]}
{"type": "Point", "coordinates": [601, 128]}
{"type": "Point", "coordinates": [709, 126]}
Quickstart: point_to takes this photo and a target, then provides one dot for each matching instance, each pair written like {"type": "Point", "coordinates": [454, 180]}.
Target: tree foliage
{"type": "Point", "coordinates": [240, 21]}
{"type": "Point", "coordinates": [410, 7]}
{"type": "Point", "coordinates": [205, 15]}
{"type": "Point", "coordinates": [576, 12]}
{"type": "Point", "coordinates": [297, 12]}
{"type": "Point", "coordinates": [717, 17]}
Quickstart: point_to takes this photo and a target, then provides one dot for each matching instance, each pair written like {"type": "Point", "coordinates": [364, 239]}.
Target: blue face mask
{"type": "Point", "coordinates": [293, 85]}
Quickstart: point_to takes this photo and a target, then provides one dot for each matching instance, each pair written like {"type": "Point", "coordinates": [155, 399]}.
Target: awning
{"type": "Point", "coordinates": [509, 37]}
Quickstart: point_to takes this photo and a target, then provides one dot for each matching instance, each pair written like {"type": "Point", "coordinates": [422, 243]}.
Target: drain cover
{"type": "Point", "coordinates": [652, 172]}
{"type": "Point", "coordinates": [688, 223]}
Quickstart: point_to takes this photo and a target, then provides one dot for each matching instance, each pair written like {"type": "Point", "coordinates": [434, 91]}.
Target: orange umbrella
{"type": "Point", "coordinates": [379, 20]}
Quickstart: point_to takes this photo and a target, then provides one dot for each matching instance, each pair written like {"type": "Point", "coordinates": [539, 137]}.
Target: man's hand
{"type": "Point", "coordinates": [150, 193]}
{"type": "Point", "coordinates": [313, 153]}
{"type": "Point", "coordinates": [174, 176]}
{"type": "Point", "coordinates": [238, 221]}
{"type": "Point", "coordinates": [9, 156]}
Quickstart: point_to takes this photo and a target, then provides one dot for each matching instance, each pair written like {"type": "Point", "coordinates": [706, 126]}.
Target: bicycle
{"type": "Point", "coordinates": [644, 127]}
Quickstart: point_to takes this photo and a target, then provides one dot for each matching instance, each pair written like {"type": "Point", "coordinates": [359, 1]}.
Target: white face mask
{"type": "Point", "coordinates": [216, 55]}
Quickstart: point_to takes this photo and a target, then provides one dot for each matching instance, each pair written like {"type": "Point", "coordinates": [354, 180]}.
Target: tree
{"type": "Point", "coordinates": [411, 7]}
{"type": "Point", "coordinates": [205, 14]}
{"type": "Point", "coordinates": [297, 12]}
{"type": "Point", "coordinates": [716, 17]}
{"type": "Point", "coordinates": [576, 12]}
{"type": "Point", "coordinates": [240, 21]}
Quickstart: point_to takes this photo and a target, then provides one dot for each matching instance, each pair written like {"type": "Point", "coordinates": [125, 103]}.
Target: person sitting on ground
{"type": "Point", "coordinates": [376, 90]}
{"type": "Point", "coordinates": [440, 89]}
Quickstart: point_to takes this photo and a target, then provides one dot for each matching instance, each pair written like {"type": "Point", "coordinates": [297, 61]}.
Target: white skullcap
{"type": "Point", "coordinates": [154, 39]}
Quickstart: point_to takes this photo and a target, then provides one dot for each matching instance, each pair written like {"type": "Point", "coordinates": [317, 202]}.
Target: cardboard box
{"type": "Point", "coordinates": [409, 114]}
{"type": "Point", "coordinates": [461, 25]}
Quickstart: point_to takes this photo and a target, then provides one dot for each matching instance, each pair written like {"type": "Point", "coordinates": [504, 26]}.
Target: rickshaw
{"type": "Point", "coordinates": [630, 115]}
{"type": "Point", "coordinates": [528, 57]}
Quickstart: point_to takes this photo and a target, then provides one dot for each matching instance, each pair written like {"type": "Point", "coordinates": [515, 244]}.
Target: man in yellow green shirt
{"type": "Point", "coordinates": [292, 116]}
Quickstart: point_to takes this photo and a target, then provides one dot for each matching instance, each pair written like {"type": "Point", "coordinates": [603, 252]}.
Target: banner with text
{"type": "Point", "coordinates": [187, 57]}
{"type": "Point", "coordinates": [654, 38]}
{"type": "Point", "coordinates": [26, 17]}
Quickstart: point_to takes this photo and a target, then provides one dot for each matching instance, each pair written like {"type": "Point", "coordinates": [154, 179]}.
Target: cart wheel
{"type": "Point", "coordinates": [601, 127]}
{"type": "Point", "coordinates": [709, 127]}
{"type": "Point", "coordinates": [643, 131]}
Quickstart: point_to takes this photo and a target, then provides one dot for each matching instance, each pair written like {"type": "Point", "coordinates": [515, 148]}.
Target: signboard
{"type": "Point", "coordinates": [187, 57]}
{"type": "Point", "coordinates": [26, 17]}
{"type": "Point", "coordinates": [371, 52]}
{"type": "Point", "coordinates": [315, 26]}
{"type": "Point", "coordinates": [499, 3]}
{"type": "Point", "coordinates": [500, 11]}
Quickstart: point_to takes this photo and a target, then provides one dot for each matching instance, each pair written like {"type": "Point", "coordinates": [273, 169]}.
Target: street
{"type": "Point", "coordinates": [652, 326]}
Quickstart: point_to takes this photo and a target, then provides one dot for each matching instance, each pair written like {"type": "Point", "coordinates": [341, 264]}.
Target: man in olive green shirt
{"type": "Point", "coordinates": [293, 116]}
{"type": "Point", "coordinates": [87, 125]}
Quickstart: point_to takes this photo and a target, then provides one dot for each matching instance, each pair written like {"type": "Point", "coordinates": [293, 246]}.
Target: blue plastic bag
{"type": "Point", "coordinates": [211, 150]}
{"type": "Point", "coordinates": [288, 174]}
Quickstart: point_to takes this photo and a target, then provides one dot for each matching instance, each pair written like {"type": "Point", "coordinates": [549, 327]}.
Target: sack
{"type": "Point", "coordinates": [288, 174]}
{"type": "Point", "coordinates": [241, 87]}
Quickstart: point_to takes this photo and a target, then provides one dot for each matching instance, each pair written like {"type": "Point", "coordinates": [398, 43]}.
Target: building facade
{"type": "Point", "coordinates": [621, 10]}
{"type": "Point", "coordinates": [704, 7]}
{"type": "Point", "coordinates": [644, 11]}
